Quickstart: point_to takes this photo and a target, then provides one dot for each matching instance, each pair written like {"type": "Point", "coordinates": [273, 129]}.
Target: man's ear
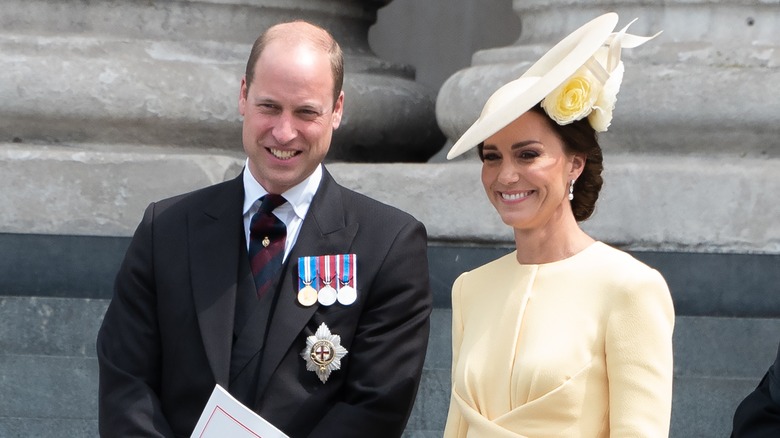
{"type": "Point", "coordinates": [242, 94]}
{"type": "Point", "coordinates": [338, 110]}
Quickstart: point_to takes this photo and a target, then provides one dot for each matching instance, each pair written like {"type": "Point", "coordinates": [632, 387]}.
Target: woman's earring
{"type": "Point", "coordinates": [571, 190]}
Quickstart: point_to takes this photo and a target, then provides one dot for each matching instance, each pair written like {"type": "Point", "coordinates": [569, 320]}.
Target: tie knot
{"type": "Point", "coordinates": [269, 202]}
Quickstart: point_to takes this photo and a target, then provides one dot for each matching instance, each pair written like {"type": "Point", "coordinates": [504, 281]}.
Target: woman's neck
{"type": "Point", "coordinates": [551, 243]}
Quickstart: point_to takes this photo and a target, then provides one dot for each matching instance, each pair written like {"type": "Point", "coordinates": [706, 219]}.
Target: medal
{"type": "Point", "coordinates": [347, 294]}
{"type": "Point", "coordinates": [307, 295]}
{"type": "Point", "coordinates": [323, 353]}
{"type": "Point", "coordinates": [327, 295]}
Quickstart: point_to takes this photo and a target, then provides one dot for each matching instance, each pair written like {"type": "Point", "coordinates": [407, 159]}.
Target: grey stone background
{"type": "Point", "coordinates": [706, 218]}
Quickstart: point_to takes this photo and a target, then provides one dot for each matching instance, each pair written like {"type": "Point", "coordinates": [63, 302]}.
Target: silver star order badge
{"type": "Point", "coordinates": [323, 352]}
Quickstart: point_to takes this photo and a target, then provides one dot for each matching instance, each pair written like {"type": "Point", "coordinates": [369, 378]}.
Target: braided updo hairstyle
{"type": "Point", "coordinates": [579, 137]}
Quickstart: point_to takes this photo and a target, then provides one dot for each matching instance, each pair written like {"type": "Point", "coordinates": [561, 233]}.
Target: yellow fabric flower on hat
{"type": "Point", "coordinates": [590, 92]}
{"type": "Point", "coordinates": [574, 99]}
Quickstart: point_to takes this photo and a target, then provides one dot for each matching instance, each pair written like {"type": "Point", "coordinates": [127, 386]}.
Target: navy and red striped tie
{"type": "Point", "coordinates": [267, 235]}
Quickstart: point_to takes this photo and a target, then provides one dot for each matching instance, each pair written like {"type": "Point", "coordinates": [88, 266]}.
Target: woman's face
{"type": "Point", "coordinates": [526, 173]}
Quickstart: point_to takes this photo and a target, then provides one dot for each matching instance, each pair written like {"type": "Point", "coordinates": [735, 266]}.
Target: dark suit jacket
{"type": "Point", "coordinates": [167, 335]}
{"type": "Point", "coordinates": [758, 415]}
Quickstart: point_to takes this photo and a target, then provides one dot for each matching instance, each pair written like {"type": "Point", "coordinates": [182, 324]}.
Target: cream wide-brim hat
{"type": "Point", "coordinates": [520, 95]}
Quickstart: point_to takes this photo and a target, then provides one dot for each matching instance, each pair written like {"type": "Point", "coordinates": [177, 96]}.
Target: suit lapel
{"type": "Point", "coordinates": [216, 236]}
{"type": "Point", "coordinates": [324, 231]}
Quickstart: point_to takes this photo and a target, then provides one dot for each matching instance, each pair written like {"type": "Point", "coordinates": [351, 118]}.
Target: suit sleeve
{"type": "Point", "coordinates": [758, 415]}
{"type": "Point", "coordinates": [639, 357]}
{"type": "Point", "coordinates": [388, 350]}
{"type": "Point", "coordinates": [128, 347]}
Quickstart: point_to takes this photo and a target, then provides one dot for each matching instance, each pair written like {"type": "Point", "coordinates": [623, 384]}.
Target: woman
{"type": "Point", "coordinates": [566, 336]}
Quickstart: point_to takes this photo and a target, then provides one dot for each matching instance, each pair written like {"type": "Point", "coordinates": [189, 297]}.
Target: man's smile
{"type": "Point", "coordinates": [282, 154]}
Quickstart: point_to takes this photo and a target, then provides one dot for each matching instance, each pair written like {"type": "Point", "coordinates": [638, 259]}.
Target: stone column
{"type": "Point", "coordinates": [167, 73]}
{"type": "Point", "coordinates": [107, 105]}
{"type": "Point", "coordinates": [695, 128]}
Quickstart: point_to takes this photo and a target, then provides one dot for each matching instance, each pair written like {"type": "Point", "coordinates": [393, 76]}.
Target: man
{"type": "Point", "coordinates": [190, 309]}
{"type": "Point", "coordinates": [758, 415]}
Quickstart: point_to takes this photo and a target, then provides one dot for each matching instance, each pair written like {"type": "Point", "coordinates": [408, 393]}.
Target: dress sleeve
{"type": "Point", "coordinates": [454, 426]}
{"type": "Point", "coordinates": [639, 356]}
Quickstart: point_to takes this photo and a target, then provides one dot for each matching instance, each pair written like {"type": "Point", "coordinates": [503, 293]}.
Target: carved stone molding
{"type": "Point", "coordinates": [705, 85]}
{"type": "Point", "coordinates": [168, 72]}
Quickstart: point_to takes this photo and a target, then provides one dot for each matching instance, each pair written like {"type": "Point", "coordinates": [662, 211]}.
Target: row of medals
{"type": "Point", "coordinates": [327, 295]}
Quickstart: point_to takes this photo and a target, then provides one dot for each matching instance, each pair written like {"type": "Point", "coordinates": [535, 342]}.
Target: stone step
{"type": "Point", "coordinates": [741, 348]}
{"type": "Point", "coordinates": [433, 399]}
{"type": "Point", "coordinates": [730, 285]}
{"type": "Point", "coordinates": [704, 406]}
{"type": "Point", "coordinates": [109, 185]}
{"type": "Point", "coordinates": [54, 387]}
{"type": "Point", "coordinates": [47, 427]}
{"type": "Point", "coordinates": [48, 369]}
{"type": "Point", "coordinates": [34, 327]}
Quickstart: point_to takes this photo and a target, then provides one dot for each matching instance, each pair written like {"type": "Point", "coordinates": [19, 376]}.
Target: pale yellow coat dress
{"type": "Point", "coordinates": [580, 347]}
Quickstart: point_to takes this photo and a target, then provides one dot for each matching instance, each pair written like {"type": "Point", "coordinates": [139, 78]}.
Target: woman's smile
{"type": "Point", "coordinates": [515, 196]}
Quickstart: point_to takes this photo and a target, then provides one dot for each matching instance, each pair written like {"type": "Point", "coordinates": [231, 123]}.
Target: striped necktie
{"type": "Point", "coordinates": [267, 235]}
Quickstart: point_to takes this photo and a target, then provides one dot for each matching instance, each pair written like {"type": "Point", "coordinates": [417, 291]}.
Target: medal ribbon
{"type": "Point", "coordinates": [353, 270]}
{"type": "Point", "coordinates": [325, 270]}
{"type": "Point", "coordinates": [307, 268]}
{"type": "Point", "coordinates": [301, 272]}
{"type": "Point", "coordinates": [313, 273]}
{"type": "Point", "coordinates": [347, 265]}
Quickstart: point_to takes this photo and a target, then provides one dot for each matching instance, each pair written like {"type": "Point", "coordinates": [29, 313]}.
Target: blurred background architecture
{"type": "Point", "coordinates": [107, 105]}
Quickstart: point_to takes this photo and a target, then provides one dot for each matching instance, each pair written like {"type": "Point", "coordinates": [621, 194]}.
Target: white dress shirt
{"type": "Point", "coordinates": [291, 212]}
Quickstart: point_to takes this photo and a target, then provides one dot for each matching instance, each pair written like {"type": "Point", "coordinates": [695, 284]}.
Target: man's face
{"type": "Point", "coordinates": [289, 114]}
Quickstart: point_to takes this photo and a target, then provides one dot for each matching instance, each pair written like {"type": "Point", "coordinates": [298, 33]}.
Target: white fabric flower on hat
{"type": "Point", "coordinates": [601, 116]}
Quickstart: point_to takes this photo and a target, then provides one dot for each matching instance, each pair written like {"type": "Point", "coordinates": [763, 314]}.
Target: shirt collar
{"type": "Point", "coordinates": [299, 196]}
